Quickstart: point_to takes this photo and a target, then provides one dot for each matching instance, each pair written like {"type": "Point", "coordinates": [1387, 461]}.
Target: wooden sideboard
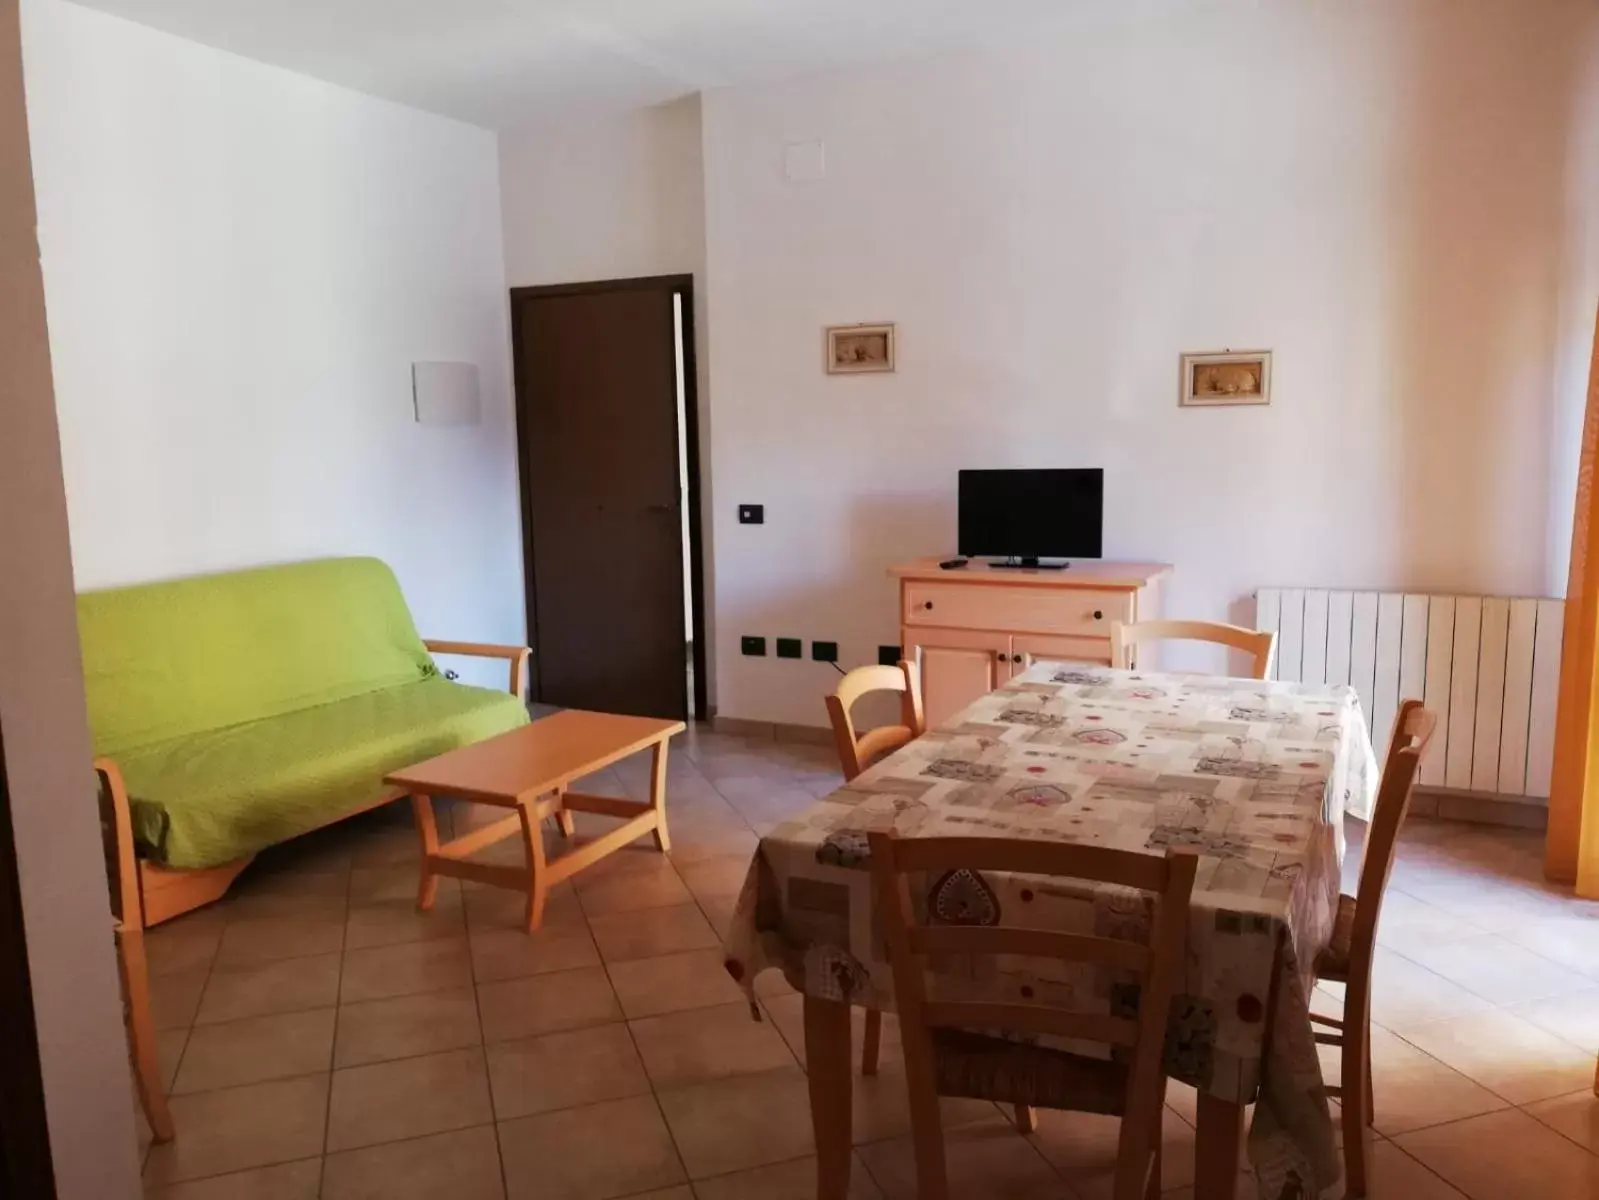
{"type": "Point", "coordinates": [970, 629]}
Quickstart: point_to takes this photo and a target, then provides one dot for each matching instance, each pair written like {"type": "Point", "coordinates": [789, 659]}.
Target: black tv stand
{"type": "Point", "coordinates": [1027, 563]}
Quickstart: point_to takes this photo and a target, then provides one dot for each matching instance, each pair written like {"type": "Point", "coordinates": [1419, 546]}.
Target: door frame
{"type": "Point", "coordinates": [678, 285]}
{"type": "Point", "coordinates": [26, 1168]}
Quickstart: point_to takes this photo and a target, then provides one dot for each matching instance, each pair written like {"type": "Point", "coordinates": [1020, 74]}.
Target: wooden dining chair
{"type": "Point", "coordinates": [1348, 957]}
{"type": "Point", "coordinates": [132, 965]}
{"type": "Point", "coordinates": [1125, 639]}
{"type": "Point", "coordinates": [945, 1057]}
{"type": "Point", "coordinates": [857, 751]}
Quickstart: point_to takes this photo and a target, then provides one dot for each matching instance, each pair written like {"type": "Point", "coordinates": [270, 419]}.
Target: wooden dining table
{"type": "Point", "coordinates": [1254, 775]}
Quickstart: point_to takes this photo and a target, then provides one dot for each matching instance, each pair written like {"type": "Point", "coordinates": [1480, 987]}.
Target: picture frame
{"type": "Point", "coordinates": [1226, 377]}
{"type": "Point", "coordinates": [859, 349]}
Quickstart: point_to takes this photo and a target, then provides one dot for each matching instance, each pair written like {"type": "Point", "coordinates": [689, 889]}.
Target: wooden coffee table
{"type": "Point", "coordinates": [528, 770]}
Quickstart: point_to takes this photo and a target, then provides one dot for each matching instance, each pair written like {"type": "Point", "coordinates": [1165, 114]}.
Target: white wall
{"type": "Point", "coordinates": [1371, 188]}
{"type": "Point", "coordinates": [1579, 297]}
{"type": "Point", "coordinates": [616, 196]}
{"type": "Point", "coordinates": [240, 266]}
{"type": "Point", "coordinates": [55, 828]}
{"type": "Point", "coordinates": [610, 197]}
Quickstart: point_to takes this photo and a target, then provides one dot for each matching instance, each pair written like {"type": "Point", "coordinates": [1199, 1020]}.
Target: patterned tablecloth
{"type": "Point", "coordinates": [1257, 776]}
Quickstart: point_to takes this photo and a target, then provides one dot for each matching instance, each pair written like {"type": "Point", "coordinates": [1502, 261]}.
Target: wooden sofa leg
{"type": "Point", "coordinates": [141, 1032]}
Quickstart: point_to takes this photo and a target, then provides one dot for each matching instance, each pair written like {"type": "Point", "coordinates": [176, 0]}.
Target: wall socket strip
{"type": "Point", "coordinates": [822, 652]}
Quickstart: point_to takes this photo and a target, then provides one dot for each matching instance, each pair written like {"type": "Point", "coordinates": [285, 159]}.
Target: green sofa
{"type": "Point", "coordinates": [245, 708]}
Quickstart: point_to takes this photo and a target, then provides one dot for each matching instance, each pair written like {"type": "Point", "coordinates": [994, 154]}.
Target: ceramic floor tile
{"type": "Point", "coordinates": [1408, 923]}
{"type": "Point", "coordinates": [1576, 1116]}
{"type": "Point", "coordinates": [1506, 1156]}
{"type": "Point", "coordinates": [188, 943]}
{"type": "Point", "coordinates": [515, 953]}
{"type": "Point", "coordinates": [1498, 970]}
{"type": "Point", "coordinates": [795, 1180]}
{"type": "Point", "coordinates": [390, 922]}
{"type": "Point", "coordinates": [986, 1160]}
{"type": "Point", "coordinates": [1391, 1174]}
{"type": "Point", "coordinates": [619, 1148]}
{"type": "Point", "coordinates": [740, 1122]}
{"type": "Point", "coordinates": [518, 1008]}
{"type": "Point", "coordinates": [240, 1128]}
{"type": "Point", "coordinates": [880, 1107]}
{"type": "Point", "coordinates": [786, 1009]}
{"type": "Point", "coordinates": [1082, 1148]}
{"type": "Point", "coordinates": [408, 1098]}
{"type": "Point", "coordinates": [404, 1026]}
{"type": "Point", "coordinates": [1405, 994]}
{"type": "Point", "coordinates": [262, 939]}
{"type": "Point", "coordinates": [462, 1165]}
{"type": "Point", "coordinates": [394, 884]}
{"type": "Point", "coordinates": [652, 933]}
{"type": "Point", "coordinates": [284, 985]}
{"type": "Point", "coordinates": [647, 987]}
{"type": "Point", "coordinates": [564, 1070]}
{"type": "Point", "coordinates": [1508, 1056]}
{"type": "Point", "coordinates": [1572, 941]}
{"type": "Point", "coordinates": [701, 1044]}
{"type": "Point", "coordinates": [256, 1049]}
{"type": "Point", "coordinates": [1413, 1090]}
{"type": "Point", "coordinates": [723, 875]}
{"type": "Point", "coordinates": [505, 909]}
{"type": "Point", "coordinates": [287, 1181]}
{"type": "Point", "coordinates": [175, 999]}
{"type": "Point", "coordinates": [696, 840]}
{"type": "Point", "coordinates": [1575, 1018]}
{"type": "Point", "coordinates": [656, 887]}
{"type": "Point", "coordinates": [169, 1046]}
{"type": "Point", "coordinates": [312, 893]}
{"type": "Point", "coordinates": [384, 971]}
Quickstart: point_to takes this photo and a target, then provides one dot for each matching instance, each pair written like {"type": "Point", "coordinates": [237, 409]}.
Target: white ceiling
{"type": "Point", "coordinates": [502, 63]}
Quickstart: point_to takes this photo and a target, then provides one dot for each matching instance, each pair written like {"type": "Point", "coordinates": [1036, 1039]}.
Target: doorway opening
{"type": "Point", "coordinates": [608, 458]}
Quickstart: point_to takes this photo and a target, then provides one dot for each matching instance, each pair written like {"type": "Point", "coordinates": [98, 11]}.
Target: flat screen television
{"type": "Point", "coordinates": [1032, 514]}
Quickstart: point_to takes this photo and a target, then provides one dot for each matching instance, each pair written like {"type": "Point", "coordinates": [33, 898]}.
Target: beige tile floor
{"type": "Point", "coordinates": [320, 1038]}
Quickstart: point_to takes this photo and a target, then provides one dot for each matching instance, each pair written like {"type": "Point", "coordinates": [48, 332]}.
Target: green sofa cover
{"type": "Point", "coordinates": [248, 707]}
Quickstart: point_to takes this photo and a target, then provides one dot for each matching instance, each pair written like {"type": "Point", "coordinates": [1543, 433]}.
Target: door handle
{"type": "Point", "coordinates": [661, 508]}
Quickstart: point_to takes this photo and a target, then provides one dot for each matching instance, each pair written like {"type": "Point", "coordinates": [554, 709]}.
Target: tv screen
{"type": "Point", "coordinates": [1032, 514]}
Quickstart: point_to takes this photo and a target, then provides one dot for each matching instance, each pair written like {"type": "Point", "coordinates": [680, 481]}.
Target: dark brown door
{"type": "Point", "coordinates": [597, 406]}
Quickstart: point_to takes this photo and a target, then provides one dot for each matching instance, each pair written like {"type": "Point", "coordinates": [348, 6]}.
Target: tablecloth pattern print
{"type": "Point", "coordinates": [1255, 775]}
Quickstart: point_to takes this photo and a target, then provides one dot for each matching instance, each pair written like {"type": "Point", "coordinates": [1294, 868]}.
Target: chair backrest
{"type": "Point", "coordinates": [1126, 638]}
{"type": "Point", "coordinates": [1156, 964]}
{"type": "Point", "coordinates": [116, 833]}
{"type": "Point", "coordinates": [856, 752]}
{"type": "Point", "coordinates": [1413, 729]}
{"type": "Point", "coordinates": [165, 660]}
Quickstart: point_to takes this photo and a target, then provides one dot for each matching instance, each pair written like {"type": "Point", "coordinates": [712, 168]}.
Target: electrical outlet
{"type": "Point", "coordinates": [752, 514]}
{"type": "Point", "coordinates": [889, 656]}
{"type": "Point", "coordinates": [753, 646]}
{"type": "Point", "coordinates": [790, 648]}
{"type": "Point", "coordinates": [824, 651]}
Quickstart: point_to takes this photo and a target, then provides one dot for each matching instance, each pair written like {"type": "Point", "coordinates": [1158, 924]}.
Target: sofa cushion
{"type": "Point", "coordinates": [164, 660]}
{"type": "Point", "coordinates": [210, 797]}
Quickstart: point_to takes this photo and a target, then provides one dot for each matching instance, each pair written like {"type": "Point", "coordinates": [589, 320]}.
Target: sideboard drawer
{"type": "Point", "coordinates": [1080, 612]}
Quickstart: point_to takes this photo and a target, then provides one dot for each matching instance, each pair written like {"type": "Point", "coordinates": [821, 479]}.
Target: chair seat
{"type": "Point", "coordinates": [980, 1067]}
{"type": "Point", "coordinates": [1333, 962]}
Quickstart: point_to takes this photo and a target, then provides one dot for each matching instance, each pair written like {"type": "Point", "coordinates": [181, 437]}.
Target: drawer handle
{"type": "Point", "coordinates": [1016, 658]}
{"type": "Point", "coordinates": [999, 656]}
{"type": "Point", "coordinates": [1099, 614]}
{"type": "Point", "coordinates": [928, 604]}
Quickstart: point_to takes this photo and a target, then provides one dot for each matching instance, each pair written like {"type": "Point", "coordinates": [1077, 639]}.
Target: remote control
{"type": "Point", "coordinates": [950, 564]}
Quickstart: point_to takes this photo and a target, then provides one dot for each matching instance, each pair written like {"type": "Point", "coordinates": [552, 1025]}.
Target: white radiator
{"type": "Point", "coordinates": [1489, 666]}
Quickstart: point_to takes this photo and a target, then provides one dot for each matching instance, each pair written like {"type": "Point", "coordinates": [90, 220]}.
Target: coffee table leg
{"type": "Point", "coordinates": [427, 832]}
{"type": "Point", "coordinates": [827, 1063]}
{"type": "Point", "coordinates": [533, 836]}
{"type": "Point", "coordinates": [663, 839]}
{"type": "Point", "coordinates": [563, 819]}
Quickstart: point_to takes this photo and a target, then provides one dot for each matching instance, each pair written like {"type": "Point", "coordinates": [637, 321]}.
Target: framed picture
{"type": "Point", "coordinates": [859, 349]}
{"type": "Point", "coordinates": [1230, 377]}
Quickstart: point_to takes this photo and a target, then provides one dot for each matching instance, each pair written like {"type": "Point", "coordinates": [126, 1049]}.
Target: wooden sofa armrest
{"type": "Point", "coordinates": [517, 656]}
{"type": "Point", "coordinates": [125, 868]}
